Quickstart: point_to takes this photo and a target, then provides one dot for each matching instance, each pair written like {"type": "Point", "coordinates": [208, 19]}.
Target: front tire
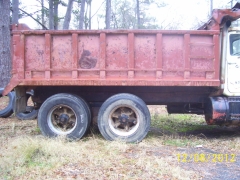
{"type": "Point", "coordinates": [125, 117]}
{"type": "Point", "coordinates": [63, 114]}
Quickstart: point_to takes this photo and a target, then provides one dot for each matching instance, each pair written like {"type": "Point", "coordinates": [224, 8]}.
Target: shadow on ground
{"type": "Point", "coordinates": [203, 130]}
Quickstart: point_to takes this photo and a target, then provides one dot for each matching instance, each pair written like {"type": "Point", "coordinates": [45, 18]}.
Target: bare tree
{"type": "Point", "coordinates": [15, 11]}
{"type": "Point", "coordinates": [108, 14]}
{"type": "Point", "coordinates": [5, 56]}
{"type": "Point", "coordinates": [67, 18]}
{"type": "Point", "coordinates": [138, 14]}
{"type": "Point", "coordinates": [55, 13]}
{"type": "Point", "coordinates": [90, 14]}
{"type": "Point", "coordinates": [81, 18]}
{"type": "Point", "coordinates": [31, 16]}
{"type": "Point", "coordinates": [123, 15]}
{"type": "Point", "coordinates": [211, 7]}
{"type": "Point", "coordinates": [129, 15]}
{"type": "Point", "coordinates": [51, 17]}
{"type": "Point", "coordinates": [42, 13]}
{"type": "Point", "coordinates": [87, 17]}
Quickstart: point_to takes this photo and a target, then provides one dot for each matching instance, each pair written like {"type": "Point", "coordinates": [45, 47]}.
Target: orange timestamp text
{"type": "Point", "coordinates": [201, 157]}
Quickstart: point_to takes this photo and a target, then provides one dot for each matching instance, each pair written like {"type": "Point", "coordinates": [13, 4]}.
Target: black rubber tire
{"type": "Point", "coordinates": [87, 108]}
{"type": "Point", "coordinates": [70, 101]}
{"type": "Point", "coordinates": [30, 112]}
{"type": "Point", "coordinates": [8, 111]}
{"type": "Point", "coordinates": [124, 100]}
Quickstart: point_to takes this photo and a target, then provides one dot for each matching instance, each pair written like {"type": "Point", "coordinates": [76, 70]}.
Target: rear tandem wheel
{"type": "Point", "coordinates": [64, 114]}
{"type": "Point", "coordinates": [125, 117]}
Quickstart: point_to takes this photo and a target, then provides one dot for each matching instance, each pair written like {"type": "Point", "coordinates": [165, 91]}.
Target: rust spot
{"type": "Point", "coordinates": [86, 61]}
{"type": "Point", "coordinates": [209, 121]}
{"type": "Point", "coordinates": [219, 116]}
{"type": "Point", "coordinates": [216, 118]}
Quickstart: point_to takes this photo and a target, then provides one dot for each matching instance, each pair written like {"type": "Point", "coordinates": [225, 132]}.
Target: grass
{"type": "Point", "coordinates": [94, 158]}
{"type": "Point", "coordinates": [26, 154]}
{"type": "Point", "coordinates": [4, 100]}
{"type": "Point", "coordinates": [184, 141]}
{"type": "Point", "coordinates": [179, 123]}
{"type": "Point", "coordinates": [181, 130]}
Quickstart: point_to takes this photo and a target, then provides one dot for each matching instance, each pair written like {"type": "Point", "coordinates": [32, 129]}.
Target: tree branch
{"type": "Point", "coordinates": [97, 10]}
{"type": "Point", "coordinates": [44, 27]}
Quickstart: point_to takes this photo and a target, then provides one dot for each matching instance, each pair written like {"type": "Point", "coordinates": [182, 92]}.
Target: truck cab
{"type": "Point", "coordinates": [224, 107]}
{"type": "Point", "coordinates": [232, 63]}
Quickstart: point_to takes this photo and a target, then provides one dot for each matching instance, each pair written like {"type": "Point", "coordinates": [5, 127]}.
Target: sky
{"type": "Point", "coordinates": [183, 12]}
{"type": "Point", "coordinates": [187, 12]}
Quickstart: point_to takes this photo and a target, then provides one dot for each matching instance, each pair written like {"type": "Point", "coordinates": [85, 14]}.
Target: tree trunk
{"type": "Point", "coordinates": [138, 15]}
{"type": "Point", "coordinates": [108, 14]}
{"type": "Point", "coordinates": [81, 18]}
{"type": "Point", "coordinates": [67, 18]}
{"type": "Point", "coordinates": [85, 16]}
{"type": "Point", "coordinates": [5, 51]}
{"type": "Point", "coordinates": [55, 13]}
{"type": "Point", "coordinates": [90, 14]}
{"type": "Point", "coordinates": [51, 18]}
{"type": "Point", "coordinates": [15, 5]}
{"type": "Point", "coordinates": [42, 13]}
{"type": "Point", "coordinates": [211, 8]}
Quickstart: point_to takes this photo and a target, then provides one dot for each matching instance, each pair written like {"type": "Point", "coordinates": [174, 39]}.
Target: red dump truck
{"type": "Point", "coordinates": [108, 76]}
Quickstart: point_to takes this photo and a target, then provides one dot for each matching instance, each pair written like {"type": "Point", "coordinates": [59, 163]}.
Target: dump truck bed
{"type": "Point", "coordinates": [115, 58]}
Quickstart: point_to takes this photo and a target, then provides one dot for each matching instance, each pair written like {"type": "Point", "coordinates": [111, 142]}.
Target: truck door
{"type": "Point", "coordinates": [233, 65]}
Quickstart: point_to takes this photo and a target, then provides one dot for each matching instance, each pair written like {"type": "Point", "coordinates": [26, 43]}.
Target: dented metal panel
{"type": "Point", "coordinates": [221, 17]}
{"type": "Point", "coordinates": [115, 58]}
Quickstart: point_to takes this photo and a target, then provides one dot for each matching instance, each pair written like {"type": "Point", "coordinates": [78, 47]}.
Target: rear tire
{"type": "Point", "coordinates": [87, 108]}
{"type": "Point", "coordinates": [63, 114]}
{"type": "Point", "coordinates": [125, 117]}
{"type": "Point", "coordinates": [8, 110]}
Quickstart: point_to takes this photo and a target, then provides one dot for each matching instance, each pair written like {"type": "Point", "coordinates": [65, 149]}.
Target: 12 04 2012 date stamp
{"type": "Point", "coordinates": [201, 157]}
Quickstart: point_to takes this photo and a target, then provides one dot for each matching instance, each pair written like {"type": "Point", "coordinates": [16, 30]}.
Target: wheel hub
{"type": "Point", "coordinates": [64, 118]}
{"type": "Point", "coordinates": [124, 119]}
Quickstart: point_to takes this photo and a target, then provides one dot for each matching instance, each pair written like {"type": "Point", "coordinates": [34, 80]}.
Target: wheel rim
{"type": "Point", "coordinates": [124, 120]}
{"type": "Point", "coordinates": [62, 119]}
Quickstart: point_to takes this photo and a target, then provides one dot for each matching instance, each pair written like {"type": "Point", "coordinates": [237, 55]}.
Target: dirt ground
{"type": "Point", "coordinates": [216, 156]}
{"type": "Point", "coordinates": [215, 163]}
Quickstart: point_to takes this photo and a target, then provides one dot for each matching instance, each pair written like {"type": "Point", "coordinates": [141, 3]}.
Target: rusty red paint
{"type": "Point", "coordinates": [221, 16]}
{"type": "Point", "coordinates": [216, 110]}
{"type": "Point", "coordinates": [86, 61]}
{"type": "Point", "coordinates": [216, 119]}
{"type": "Point", "coordinates": [119, 57]}
{"type": "Point", "coordinates": [129, 58]}
{"type": "Point", "coordinates": [74, 51]}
